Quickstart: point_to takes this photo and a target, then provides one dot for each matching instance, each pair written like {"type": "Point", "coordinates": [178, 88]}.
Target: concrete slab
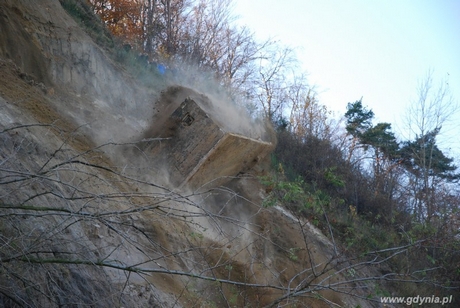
{"type": "Point", "coordinates": [203, 152]}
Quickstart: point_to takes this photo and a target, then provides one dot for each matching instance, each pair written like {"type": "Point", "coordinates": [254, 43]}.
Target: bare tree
{"type": "Point", "coordinates": [428, 166]}
{"type": "Point", "coordinates": [275, 75]}
{"type": "Point", "coordinates": [307, 116]}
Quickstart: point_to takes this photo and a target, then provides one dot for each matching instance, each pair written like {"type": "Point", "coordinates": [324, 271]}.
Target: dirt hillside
{"type": "Point", "coordinates": [88, 217]}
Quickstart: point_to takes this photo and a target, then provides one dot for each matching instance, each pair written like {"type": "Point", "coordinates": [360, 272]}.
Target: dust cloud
{"type": "Point", "coordinates": [144, 128]}
{"type": "Point", "coordinates": [230, 111]}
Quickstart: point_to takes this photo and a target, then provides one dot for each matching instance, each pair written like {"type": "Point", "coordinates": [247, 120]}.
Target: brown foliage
{"type": "Point", "coordinates": [122, 17]}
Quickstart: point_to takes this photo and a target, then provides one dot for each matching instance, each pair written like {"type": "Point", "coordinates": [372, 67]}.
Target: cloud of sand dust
{"type": "Point", "coordinates": [232, 116]}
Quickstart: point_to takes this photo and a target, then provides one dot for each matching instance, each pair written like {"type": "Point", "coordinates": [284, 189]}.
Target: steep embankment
{"type": "Point", "coordinates": [86, 216]}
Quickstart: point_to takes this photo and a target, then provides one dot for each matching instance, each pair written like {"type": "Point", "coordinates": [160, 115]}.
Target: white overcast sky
{"type": "Point", "coordinates": [378, 50]}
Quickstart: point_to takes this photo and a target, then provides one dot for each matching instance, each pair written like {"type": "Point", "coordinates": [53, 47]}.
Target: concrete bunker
{"type": "Point", "coordinates": [202, 151]}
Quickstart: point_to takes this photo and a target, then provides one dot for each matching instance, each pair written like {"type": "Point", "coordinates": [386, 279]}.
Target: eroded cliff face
{"type": "Point", "coordinates": [54, 54]}
{"type": "Point", "coordinates": [88, 218]}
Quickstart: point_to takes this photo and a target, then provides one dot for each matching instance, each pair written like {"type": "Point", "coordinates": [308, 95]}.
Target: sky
{"type": "Point", "coordinates": [377, 50]}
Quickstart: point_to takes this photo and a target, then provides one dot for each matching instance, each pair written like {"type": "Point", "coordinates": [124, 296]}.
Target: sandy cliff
{"type": "Point", "coordinates": [88, 218]}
